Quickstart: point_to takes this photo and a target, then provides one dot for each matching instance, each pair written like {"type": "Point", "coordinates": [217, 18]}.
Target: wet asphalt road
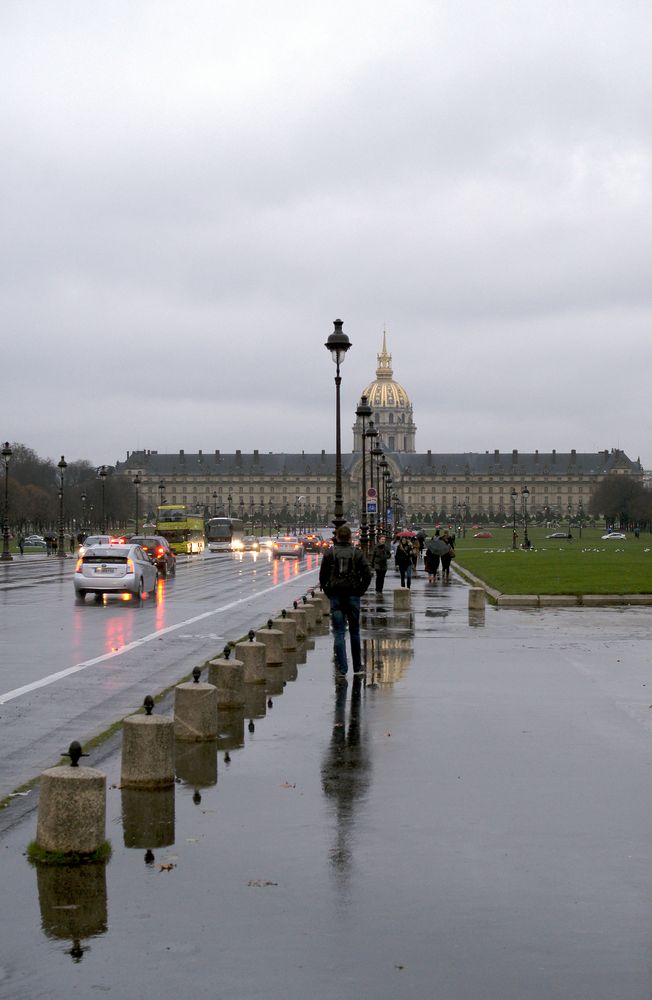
{"type": "Point", "coordinates": [68, 670]}
{"type": "Point", "coordinates": [470, 821]}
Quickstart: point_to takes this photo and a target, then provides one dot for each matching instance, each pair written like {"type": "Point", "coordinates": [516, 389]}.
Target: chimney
{"type": "Point", "coordinates": [515, 456]}
{"type": "Point", "coordinates": [217, 454]}
{"type": "Point", "coordinates": [496, 453]}
{"type": "Point", "coordinates": [536, 457]}
{"type": "Point", "coordinates": [256, 455]}
{"type": "Point", "coordinates": [554, 455]}
{"type": "Point", "coordinates": [573, 456]}
{"type": "Point", "coordinates": [238, 457]}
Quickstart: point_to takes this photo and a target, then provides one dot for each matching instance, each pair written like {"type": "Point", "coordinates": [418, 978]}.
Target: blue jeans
{"type": "Point", "coordinates": [346, 609]}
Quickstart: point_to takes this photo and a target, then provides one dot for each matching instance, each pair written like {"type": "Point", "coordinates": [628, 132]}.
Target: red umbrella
{"type": "Point", "coordinates": [407, 534]}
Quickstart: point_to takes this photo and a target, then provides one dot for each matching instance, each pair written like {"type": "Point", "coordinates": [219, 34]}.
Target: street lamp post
{"type": "Point", "coordinates": [214, 503]}
{"type": "Point", "coordinates": [161, 493]}
{"type": "Point", "coordinates": [377, 453]}
{"type": "Point", "coordinates": [269, 505]}
{"type": "Point", "coordinates": [83, 499]}
{"type": "Point", "coordinates": [229, 501]}
{"type": "Point", "coordinates": [382, 506]}
{"type": "Point", "coordinates": [62, 466]}
{"type": "Point", "coordinates": [569, 514]}
{"type": "Point", "coordinates": [242, 508]}
{"type": "Point", "coordinates": [388, 502]}
{"type": "Point", "coordinates": [525, 494]}
{"type": "Point", "coordinates": [514, 494]}
{"type": "Point", "coordinates": [372, 434]}
{"type": "Point", "coordinates": [580, 515]}
{"type": "Point", "coordinates": [364, 412]}
{"type": "Point", "coordinates": [338, 344]}
{"type": "Point", "coordinates": [137, 482]}
{"type": "Point", "coordinates": [6, 554]}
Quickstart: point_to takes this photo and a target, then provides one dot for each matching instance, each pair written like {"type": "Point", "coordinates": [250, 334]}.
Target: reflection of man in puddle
{"type": "Point", "coordinates": [345, 772]}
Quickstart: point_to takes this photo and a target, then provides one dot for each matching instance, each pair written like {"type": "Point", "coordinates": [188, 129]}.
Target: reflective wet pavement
{"type": "Point", "coordinates": [471, 820]}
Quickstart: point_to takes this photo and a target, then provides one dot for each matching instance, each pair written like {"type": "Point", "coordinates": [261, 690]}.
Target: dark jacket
{"type": "Point", "coordinates": [404, 553]}
{"type": "Point", "coordinates": [362, 570]}
{"type": "Point", "coordinates": [380, 555]}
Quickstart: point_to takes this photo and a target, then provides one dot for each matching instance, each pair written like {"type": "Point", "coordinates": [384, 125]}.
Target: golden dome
{"type": "Point", "coordinates": [385, 392]}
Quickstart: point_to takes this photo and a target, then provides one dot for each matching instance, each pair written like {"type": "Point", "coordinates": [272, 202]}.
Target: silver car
{"type": "Point", "coordinates": [114, 569]}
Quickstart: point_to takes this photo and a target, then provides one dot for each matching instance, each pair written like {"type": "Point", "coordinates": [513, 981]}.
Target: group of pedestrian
{"type": "Point", "coordinates": [439, 551]}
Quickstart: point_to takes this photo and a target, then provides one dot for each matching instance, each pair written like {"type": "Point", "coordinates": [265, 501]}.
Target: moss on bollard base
{"type": "Point", "coordinates": [40, 856]}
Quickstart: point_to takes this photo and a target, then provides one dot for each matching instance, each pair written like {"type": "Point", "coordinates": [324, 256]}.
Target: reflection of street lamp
{"type": "Point", "coordinates": [6, 554]}
{"type": "Point", "coordinates": [514, 494]}
{"type": "Point", "coordinates": [137, 482]}
{"type": "Point", "coordinates": [338, 344]}
{"type": "Point", "coordinates": [525, 494]}
{"type": "Point", "coordinates": [62, 466]}
{"type": "Point", "coordinates": [364, 412]}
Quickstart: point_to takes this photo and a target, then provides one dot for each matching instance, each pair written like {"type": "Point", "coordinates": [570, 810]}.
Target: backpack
{"type": "Point", "coordinates": [345, 576]}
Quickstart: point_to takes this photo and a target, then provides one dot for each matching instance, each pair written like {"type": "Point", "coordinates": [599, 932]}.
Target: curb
{"type": "Point", "coordinates": [554, 600]}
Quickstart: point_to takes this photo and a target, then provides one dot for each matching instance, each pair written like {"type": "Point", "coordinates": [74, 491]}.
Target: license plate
{"type": "Point", "coordinates": [105, 569]}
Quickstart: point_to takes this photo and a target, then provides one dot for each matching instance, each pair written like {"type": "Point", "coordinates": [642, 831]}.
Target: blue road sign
{"type": "Point", "coordinates": [372, 507]}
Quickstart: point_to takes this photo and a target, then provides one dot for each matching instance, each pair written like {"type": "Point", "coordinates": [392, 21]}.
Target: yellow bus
{"type": "Point", "coordinates": [183, 530]}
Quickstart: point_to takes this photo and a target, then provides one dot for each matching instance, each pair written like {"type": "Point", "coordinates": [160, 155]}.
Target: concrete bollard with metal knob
{"type": "Point", "coordinates": [289, 630]}
{"type": "Point", "coordinates": [254, 658]}
{"type": "Point", "coordinates": [147, 750]}
{"type": "Point", "coordinates": [312, 617]}
{"type": "Point", "coordinates": [321, 611]}
{"type": "Point", "coordinates": [477, 598]}
{"type": "Point", "coordinates": [195, 710]}
{"type": "Point", "coordinates": [272, 639]}
{"type": "Point", "coordinates": [227, 675]}
{"type": "Point", "coordinates": [71, 812]}
{"type": "Point", "coordinates": [299, 616]}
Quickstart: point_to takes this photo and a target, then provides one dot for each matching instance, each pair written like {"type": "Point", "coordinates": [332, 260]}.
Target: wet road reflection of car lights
{"type": "Point", "coordinates": [118, 632]}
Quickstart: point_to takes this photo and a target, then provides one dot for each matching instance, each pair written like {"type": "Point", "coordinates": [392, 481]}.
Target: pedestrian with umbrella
{"type": "Point", "coordinates": [436, 548]}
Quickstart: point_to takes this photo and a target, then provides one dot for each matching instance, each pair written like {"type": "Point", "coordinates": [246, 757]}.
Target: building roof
{"type": "Point", "coordinates": [385, 392]}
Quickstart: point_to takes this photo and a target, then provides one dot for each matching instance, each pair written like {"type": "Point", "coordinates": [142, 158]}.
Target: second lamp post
{"type": "Point", "coordinates": [338, 344]}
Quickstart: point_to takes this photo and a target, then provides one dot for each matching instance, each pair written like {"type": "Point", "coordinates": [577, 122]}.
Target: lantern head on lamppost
{"type": "Point", "coordinates": [6, 554]}
{"type": "Point", "coordinates": [62, 465]}
{"type": "Point", "coordinates": [338, 344]}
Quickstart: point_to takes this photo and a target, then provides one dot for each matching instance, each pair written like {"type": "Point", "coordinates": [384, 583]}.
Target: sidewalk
{"type": "Point", "coordinates": [471, 821]}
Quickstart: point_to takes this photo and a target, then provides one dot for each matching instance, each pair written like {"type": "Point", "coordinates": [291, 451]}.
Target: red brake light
{"type": "Point", "coordinates": [159, 551]}
{"type": "Point", "coordinates": [78, 565]}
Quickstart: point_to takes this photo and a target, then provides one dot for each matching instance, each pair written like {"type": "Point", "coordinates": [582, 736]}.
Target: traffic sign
{"type": "Point", "coordinates": [372, 507]}
{"type": "Point", "coordinates": [372, 493]}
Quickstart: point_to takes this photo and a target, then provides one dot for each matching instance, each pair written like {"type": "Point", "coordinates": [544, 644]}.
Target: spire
{"type": "Point", "coordinates": [384, 369]}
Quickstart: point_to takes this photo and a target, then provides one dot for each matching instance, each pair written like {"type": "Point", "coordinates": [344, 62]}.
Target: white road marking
{"type": "Point", "coordinates": [51, 678]}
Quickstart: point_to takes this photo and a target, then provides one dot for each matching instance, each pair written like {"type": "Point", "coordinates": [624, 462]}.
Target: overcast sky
{"type": "Point", "coordinates": [193, 191]}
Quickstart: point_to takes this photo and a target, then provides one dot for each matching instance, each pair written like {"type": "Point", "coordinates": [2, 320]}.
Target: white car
{"type": "Point", "coordinates": [114, 569]}
{"type": "Point", "coordinates": [619, 536]}
{"type": "Point", "coordinates": [287, 545]}
{"type": "Point", "coordinates": [92, 540]}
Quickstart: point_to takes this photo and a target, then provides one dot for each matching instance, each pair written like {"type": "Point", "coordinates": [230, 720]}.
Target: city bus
{"type": "Point", "coordinates": [183, 530]}
{"type": "Point", "coordinates": [225, 534]}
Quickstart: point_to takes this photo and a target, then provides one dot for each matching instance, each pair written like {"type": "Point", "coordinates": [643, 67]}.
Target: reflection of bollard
{"type": "Point", "coordinates": [477, 597]}
{"type": "Point", "coordinates": [255, 701]}
{"type": "Point", "coordinates": [147, 817]}
{"type": "Point", "coordinates": [147, 751]}
{"type": "Point", "coordinates": [274, 679]}
{"type": "Point", "coordinates": [72, 899]}
{"type": "Point", "coordinates": [476, 617]}
{"type": "Point", "coordinates": [299, 616]}
{"type": "Point", "coordinates": [231, 728]}
{"type": "Point", "coordinates": [195, 711]}
{"type": "Point", "coordinates": [71, 809]}
{"type": "Point", "coordinates": [253, 657]}
{"type": "Point", "coordinates": [227, 675]}
{"type": "Point", "coordinates": [196, 763]}
{"type": "Point", "coordinates": [289, 630]}
{"type": "Point", "coordinates": [302, 652]}
{"type": "Point", "coordinates": [272, 639]}
{"type": "Point", "coordinates": [402, 599]}
{"type": "Point", "coordinates": [290, 672]}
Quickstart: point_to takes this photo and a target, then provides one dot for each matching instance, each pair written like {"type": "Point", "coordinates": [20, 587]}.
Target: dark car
{"type": "Point", "coordinates": [159, 551]}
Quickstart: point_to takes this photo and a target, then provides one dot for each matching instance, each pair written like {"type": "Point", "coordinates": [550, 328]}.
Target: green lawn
{"type": "Point", "coordinates": [557, 566]}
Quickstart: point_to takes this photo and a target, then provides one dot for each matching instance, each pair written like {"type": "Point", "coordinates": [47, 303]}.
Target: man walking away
{"type": "Point", "coordinates": [379, 559]}
{"type": "Point", "coordinates": [344, 576]}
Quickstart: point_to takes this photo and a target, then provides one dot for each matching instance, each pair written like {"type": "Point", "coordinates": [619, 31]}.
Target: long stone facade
{"type": "Point", "coordinates": [282, 488]}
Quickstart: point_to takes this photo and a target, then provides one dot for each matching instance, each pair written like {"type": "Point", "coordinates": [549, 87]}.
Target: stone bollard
{"type": "Point", "coordinates": [227, 676]}
{"type": "Point", "coordinates": [289, 630]}
{"type": "Point", "coordinates": [72, 808]}
{"type": "Point", "coordinates": [477, 597]}
{"type": "Point", "coordinates": [402, 599]}
{"type": "Point", "coordinates": [272, 639]}
{"type": "Point", "coordinates": [312, 616]}
{"type": "Point", "coordinates": [147, 750]}
{"type": "Point", "coordinates": [253, 657]}
{"type": "Point", "coordinates": [320, 612]}
{"type": "Point", "coordinates": [195, 710]}
{"type": "Point", "coordinates": [326, 603]}
{"type": "Point", "coordinates": [299, 616]}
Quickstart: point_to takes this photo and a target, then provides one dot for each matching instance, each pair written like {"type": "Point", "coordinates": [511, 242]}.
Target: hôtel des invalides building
{"type": "Point", "coordinates": [286, 488]}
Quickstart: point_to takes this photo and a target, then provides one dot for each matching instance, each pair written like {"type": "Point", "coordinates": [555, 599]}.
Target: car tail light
{"type": "Point", "coordinates": [159, 551]}
{"type": "Point", "coordinates": [130, 566]}
{"type": "Point", "coordinates": [78, 565]}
